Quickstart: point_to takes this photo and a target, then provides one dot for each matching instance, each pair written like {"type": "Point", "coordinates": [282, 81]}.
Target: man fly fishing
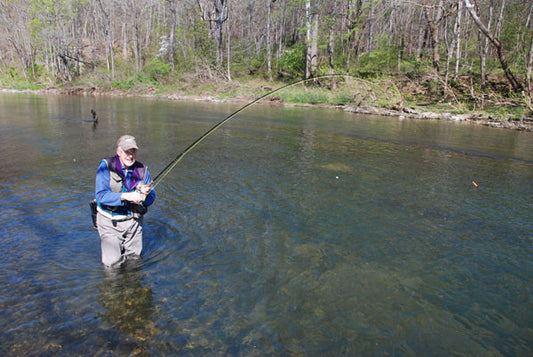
{"type": "Point", "coordinates": [123, 192]}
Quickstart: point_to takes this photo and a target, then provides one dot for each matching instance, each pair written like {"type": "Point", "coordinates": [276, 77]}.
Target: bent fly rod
{"type": "Point", "coordinates": [160, 176]}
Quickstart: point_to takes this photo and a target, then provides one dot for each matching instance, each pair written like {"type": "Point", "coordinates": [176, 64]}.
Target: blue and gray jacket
{"type": "Point", "coordinates": [112, 179]}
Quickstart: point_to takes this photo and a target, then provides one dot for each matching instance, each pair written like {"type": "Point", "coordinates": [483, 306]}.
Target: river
{"type": "Point", "coordinates": [288, 231]}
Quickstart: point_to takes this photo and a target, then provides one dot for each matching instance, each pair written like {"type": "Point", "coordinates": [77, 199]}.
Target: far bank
{"type": "Point", "coordinates": [386, 97]}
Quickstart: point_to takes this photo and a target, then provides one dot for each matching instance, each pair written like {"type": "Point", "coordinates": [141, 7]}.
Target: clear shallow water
{"type": "Point", "coordinates": [289, 231]}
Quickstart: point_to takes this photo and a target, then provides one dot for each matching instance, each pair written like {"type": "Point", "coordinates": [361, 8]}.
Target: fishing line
{"type": "Point", "coordinates": [165, 171]}
{"type": "Point", "coordinates": [160, 176]}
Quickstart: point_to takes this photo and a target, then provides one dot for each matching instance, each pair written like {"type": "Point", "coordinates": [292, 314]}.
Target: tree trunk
{"type": "Point", "coordinates": [308, 39]}
{"type": "Point", "coordinates": [311, 59]}
{"type": "Point", "coordinates": [135, 12]}
{"type": "Point", "coordinates": [371, 21]}
{"type": "Point", "coordinates": [458, 37]}
{"type": "Point", "coordinates": [228, 48]}
{"type": "Point", "coordinates": [517, 87]}
{"type": "Point", "coordinates": [331, 45]}
{"type": "Point", "coordinates": [124, 41]}
{"type": "Point", "coordinates": [356, 13]}
{"type": "Point", "coordinates": [451, 48]}
{"type": "Point", "coordinates": [529, 67]}
{"type": "Point", "coordinates": [433, 23]}
{"type": "Point", "coordinates": [136, 46]}
{"type": "Point", "coordinates": [529, 81]}
{"type": "Point", "coordinates": [268, 38]}
{"type": "Point", "coordinates": [484, 49]}
{"type": "Point", "coordinates": [220, 9]}
{"type": "Point", "coordinates": [172, 41]}
{"type": "Point", "coordinates": [421, 31]}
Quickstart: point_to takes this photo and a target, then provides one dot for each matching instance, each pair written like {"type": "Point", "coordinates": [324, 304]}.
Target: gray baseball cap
{"type": "Point", "coordinates": [127, 142]}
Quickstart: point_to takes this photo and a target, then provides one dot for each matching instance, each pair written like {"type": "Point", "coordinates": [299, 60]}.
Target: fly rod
{"type": "Point", "coordinates": [160, 176]}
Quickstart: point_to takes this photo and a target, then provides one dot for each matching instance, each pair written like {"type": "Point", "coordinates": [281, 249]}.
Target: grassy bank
{"type": "Point", "coordinates": [393, 95]}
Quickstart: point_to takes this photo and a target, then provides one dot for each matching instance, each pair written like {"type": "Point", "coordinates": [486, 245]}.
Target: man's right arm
{"type": "Point", "coordinates": [102, 190]}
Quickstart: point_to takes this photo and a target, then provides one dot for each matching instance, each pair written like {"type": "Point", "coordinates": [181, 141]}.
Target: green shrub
{"type": "Point", "coordinates": [343, 98]}
{"type": "Point", "coordinates": [129, 83]}
{"type": "Point", "coordinates": [307, 96]}
{"type": "Point", "coordinates": [157, 70]}
{"type": "Point", "coordinates": [292, 62]}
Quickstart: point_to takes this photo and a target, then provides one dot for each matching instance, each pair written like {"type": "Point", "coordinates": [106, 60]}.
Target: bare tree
{"type": "Point", "coordinates": [218, 15]}
{"type": "Point", "coordinates": [228, 48]}
{"type": "Point", "coordinates": [331, 41]}
{"type": "Point", "coordinates": [529, 66]}
{"type": "Point", "coordinates": [173, 25]}
{"type": "Point", "coordinates": [434, 23]}
{"type": "Point", "coordinates": [311, 57]}
{"type": "Point", "coordinates": [110, 54]}
{"type": "Point", "coordinates": [457, 36]}
{"type": "Point", "coordinates": [353, 17]}
{"type": "Point", "coordinates": [371, 23]}
{"type": "Point", "coordinates": [454, 46]}
{"type": "Point", "coordinates": [528, 70]}
{"type": "Point", "coordinates": [124, 41]}
{"type": "Point", "coordinates": [516, 86]}
{"type": "Point", "coordinates": [270, 4]}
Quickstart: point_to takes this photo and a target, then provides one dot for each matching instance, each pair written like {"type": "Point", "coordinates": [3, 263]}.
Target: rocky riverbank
{"type": "Point", "coordinates": [473, 117]}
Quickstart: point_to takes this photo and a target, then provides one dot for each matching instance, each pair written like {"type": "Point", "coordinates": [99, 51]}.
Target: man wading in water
{"type": "Point", "coordinates": [123, 191]}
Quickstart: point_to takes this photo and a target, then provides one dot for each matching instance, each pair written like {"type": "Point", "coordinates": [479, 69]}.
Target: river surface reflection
{"type": "Point", "coordinates": [289, 231]}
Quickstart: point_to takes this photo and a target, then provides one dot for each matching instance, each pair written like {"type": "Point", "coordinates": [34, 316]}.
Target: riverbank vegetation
{"type": "Point", "coordinates": [456, 56]}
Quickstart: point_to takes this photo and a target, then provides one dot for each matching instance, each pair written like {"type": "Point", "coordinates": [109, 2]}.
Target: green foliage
{"type": "Point", "coordinates": [13, 77]}
{"type": "Point", "coordinates": [312, 96]}
{"type": "Point", "coordinates": [157, 70]}
{"type": "Point", "coordinates": [375, 63]}
{"type": "Point", "coordinates": [318, 95]}
{"type": "Point", "coordinates": [292, 61]}
{"type": "Point", "coordinates": [133, 82]}
{"type": "Point", "coordinates": [123, 68]}
{"type": "Point", "coordinates": [123, 84]}
{"type": "Point", "coordinates": [196, 46]}
{"type": "Point", "coordinates": [343, 98]}
{"type": "Point", "coordinates": [413, 68]}
{"type": "Point", "coordinates": [39, 71]}
{"type": "Point", "coordinates": [15, 74]}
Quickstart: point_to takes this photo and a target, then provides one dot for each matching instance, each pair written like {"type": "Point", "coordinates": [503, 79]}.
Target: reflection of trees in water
{"type": "Point", "coordinates": [128, 306]}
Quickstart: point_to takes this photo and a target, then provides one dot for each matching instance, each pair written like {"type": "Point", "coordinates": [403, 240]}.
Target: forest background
{"type": "Point", "coordinates": [464, 57]}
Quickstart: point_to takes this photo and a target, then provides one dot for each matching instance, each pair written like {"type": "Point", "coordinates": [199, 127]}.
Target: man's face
{"type": "Point", "coordinates": [127, 157]}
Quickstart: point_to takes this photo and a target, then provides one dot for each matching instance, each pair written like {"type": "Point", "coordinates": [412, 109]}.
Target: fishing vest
{"type": "Point", "coordinates": [117, 180]}
{"type": "Point", "coordinates": [117, 183]}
